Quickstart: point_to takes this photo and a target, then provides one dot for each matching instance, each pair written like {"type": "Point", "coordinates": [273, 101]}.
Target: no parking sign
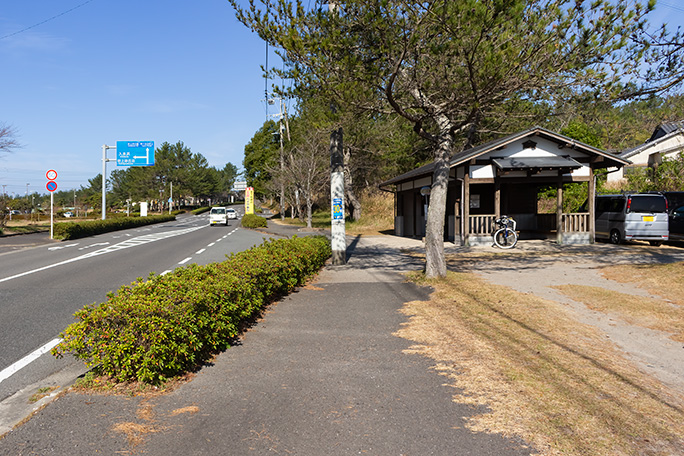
{"type": "Point", "coordinates": [51, 186]}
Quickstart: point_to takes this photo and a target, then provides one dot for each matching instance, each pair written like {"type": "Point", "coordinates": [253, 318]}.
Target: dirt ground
{"type": "Point", "coordinates": [537, 266]}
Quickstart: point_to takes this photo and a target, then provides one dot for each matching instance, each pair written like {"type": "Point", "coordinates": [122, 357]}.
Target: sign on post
{"type": "Point", "coordinates": [249, 200]}
{"type": "Point", "coordinates": [338, 209]}
{"type": "Point", "coordinates": [135, 153]}
{"type": "Point", "coordinates": [51, 186]}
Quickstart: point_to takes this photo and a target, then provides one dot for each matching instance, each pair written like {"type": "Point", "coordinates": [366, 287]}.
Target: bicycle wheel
{"type": "Point", "coordinates": [505, 239]}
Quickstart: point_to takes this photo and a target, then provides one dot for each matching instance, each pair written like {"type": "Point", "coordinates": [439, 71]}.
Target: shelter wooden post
{"type": "Point", "coordinates": [591, 200]}
{"type": "Point", "coordinates": [559, 208]}
{"type": "Point", "coordinates": [466, 204]}
{"type": "Point", "coordinates": [497, 198]}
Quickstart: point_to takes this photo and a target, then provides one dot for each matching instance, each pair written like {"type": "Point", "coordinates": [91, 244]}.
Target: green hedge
{"type": "Point", "coordinates": [154, 330]}
{"type": "Point", "coordinates": [200, 210]}
{"type": "Point", "coordinates": [253, 221]}
{"type": "Point", "coordinates": [75, 230]}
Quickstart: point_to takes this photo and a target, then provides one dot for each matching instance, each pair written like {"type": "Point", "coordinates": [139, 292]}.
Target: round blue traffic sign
{"type": "Point", "coordinates": [51, 186]}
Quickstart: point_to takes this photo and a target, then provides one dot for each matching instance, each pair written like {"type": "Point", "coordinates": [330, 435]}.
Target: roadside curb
{"type": "Point", "coordinates": [18, 408]}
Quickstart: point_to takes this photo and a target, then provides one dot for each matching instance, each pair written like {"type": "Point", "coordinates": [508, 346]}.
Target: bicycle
{"type": "Point", "coordinates": [505, 237]}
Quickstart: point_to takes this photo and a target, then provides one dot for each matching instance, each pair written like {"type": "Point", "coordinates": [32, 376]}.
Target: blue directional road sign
{"type": "Point", "coordinates": [135, 153]}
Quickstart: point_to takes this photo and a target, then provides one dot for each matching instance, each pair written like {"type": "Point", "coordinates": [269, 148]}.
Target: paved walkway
{"type": "Point", "coordinates": [321, 373]}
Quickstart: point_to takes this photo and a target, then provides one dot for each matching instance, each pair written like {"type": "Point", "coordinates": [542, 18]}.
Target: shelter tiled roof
{"type": "Point", "coordinates": [469, 154]}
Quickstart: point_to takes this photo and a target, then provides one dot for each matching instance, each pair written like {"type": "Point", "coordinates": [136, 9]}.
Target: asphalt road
{"type": "Point", "coordinates": [43, 282]}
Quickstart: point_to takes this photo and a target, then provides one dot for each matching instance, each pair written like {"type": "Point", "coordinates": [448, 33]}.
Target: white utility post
{"type": "Point", "coordinates": [337, 229]}
{"type": "Point", "coordinates": [104, 178]}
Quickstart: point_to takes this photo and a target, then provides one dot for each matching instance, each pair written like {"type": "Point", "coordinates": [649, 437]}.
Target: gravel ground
{"type": "Point", "coordinates": [653, 351]}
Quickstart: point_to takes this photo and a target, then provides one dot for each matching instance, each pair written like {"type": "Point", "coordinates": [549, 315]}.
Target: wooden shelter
{"type": "Point", "coordinates": [503, 177]}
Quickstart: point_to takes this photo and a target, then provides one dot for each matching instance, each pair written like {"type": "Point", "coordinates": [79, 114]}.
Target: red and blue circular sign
{"type": "Point", "coordinates": [51, 186]}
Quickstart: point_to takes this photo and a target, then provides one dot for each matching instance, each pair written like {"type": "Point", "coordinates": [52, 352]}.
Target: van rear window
{"type": "Point", "coordinates": [648, 203]}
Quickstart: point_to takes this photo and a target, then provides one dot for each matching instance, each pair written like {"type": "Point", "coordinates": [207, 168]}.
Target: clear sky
{"type": "Point", "coordinates": [123, 70]}
{"type": "Point", "coordinates": [77, 74]}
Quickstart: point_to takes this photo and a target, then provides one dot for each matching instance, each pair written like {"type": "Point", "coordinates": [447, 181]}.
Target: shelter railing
{"type": "Point", "coordinates": [481, 224]}
{"type": "Point", "coordinates": [576, 222]}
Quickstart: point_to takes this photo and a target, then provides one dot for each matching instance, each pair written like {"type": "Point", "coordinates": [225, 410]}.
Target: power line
{"type": "Point", "coordinates": [46, 20]}
{"type": "Point", "coordinates": [670, 5]}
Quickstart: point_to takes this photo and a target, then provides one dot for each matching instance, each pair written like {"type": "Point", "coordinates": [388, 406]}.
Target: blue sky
{"type": "Point", "coordinates": [124, 70]}
{"type": "Point", "coordinates": [132, 70]}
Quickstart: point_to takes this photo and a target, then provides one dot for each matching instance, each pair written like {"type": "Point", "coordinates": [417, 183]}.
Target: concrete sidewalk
{"type": "Point", "coordinates": [320, 374]}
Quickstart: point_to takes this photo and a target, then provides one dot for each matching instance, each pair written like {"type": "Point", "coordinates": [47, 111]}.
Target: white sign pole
{"type": "Point", "coordinates": [337, 228]}
{"type": "Point", "coordinates": [52, 202]}
{"type": "Point", "coordinates": [104, 178]}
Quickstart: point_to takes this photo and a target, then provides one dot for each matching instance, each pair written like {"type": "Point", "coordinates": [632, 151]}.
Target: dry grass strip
{"type": "Point", "coordinates": [191, 409]}
{"type": "Point", "coordinates": [556, 383]}
{"type": "Point", "coordinates": [134, 432]}
{"type": "Point", "coordinates": [666, 280]}
{"type": "Point", "coordinates": [635, 310]}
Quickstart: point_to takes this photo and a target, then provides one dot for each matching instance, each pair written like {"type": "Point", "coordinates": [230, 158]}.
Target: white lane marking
{"type": "Point", "coordinates": [28, 359]}
{"type": "Point", "coordinates": [59, 247]}
{"type": "Point", "coordinates": [185, 260]}
{"type": "Point", "coordinates": [200, 251]}
{"type": "Point", "coordinates": [211, 245]}
{"type": "Point", "coordinates": [93, 245]}
{"type": "Point", "coordinates": [165, 272]}
{"type": "Point", "coordinates": [122, 245]}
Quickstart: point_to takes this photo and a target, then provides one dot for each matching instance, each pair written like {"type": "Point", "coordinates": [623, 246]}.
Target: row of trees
{"type": "Point", "coordinates": [458, 73]}
{"type": "Point", "coordinates": [175, 166]}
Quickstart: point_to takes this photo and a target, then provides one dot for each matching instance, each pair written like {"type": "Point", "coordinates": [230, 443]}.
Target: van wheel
{"type": "Point", "coordinates": [615, 237]}
{"type": "Point", "coordinates": [655, 243]}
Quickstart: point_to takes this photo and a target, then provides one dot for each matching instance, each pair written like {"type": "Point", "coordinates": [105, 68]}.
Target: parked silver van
{"type": "Point", "coordinates": [637, 216]}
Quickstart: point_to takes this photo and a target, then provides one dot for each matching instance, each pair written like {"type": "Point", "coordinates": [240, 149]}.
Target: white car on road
{"type": "Point", "coordinates": [218, 215]}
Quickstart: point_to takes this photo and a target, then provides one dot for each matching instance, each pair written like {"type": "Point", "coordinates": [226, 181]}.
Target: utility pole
{"type": "Point", "coordinates": [282, 115]}
{"type": "Point", "coordinates": [337, 228]}
{"type": "Point", "coordinates": [104, 178]}
{"type": "Point", "coordinates": [282, 168]}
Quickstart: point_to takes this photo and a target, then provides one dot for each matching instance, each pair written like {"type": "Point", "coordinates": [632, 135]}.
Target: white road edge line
{"type": "Point", "coordinates": [122, 245]}
{"type": "Point", "coordinates": [165, 272]}
{"type": "Point", "coordinates": [185, 260]}
{"type": "Point", "coordinates": [200, 251]}
{"type": "Point", "coordinates": [28, 359]}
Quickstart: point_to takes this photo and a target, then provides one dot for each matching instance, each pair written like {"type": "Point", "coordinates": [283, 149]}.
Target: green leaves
{"type": "Point", "coordinates": [253, 221]}
{"type": "Point", "coordinates": [154, 330]}
{"type": "Point", "coordinates": [76, 230]}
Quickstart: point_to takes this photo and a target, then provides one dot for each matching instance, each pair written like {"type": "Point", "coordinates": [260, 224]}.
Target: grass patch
{"type": "Point", "coordinates": [41, 393]}
{"type": "Point", "coordinates": [666, 280]}
{"type": "Point", "coordinates": [635, 310]}
{"type": "Point", "coordinates": [377, 216]}
{"type": "Point", "coordinates": [26, 229]}
{"type": "Point", "coordinates": [543, 376]}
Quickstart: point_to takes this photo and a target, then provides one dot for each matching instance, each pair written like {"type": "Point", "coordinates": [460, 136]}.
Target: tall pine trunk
{"type": "Point", "coordinates": [435, 262]}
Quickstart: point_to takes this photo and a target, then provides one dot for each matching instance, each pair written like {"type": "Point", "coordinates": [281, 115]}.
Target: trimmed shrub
{"type": "Point", "coordinates": [200, 210]}
{"type": "Point", "coordinates": [154, 330]}
{"type": "Point", "coordinates": [253, 221]}
{"type": "Point", "coordinates": [75, 230]}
